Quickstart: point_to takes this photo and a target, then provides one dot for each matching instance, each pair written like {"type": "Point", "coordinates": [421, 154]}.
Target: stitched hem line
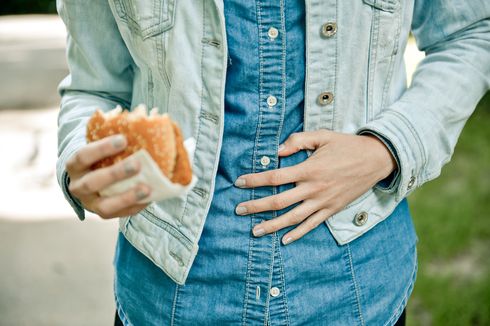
{"type": "Point", "coordinates": [399, 309]}
{"type": "Point", "coordinates": [356, 286]}
{"type": "Point", "coordinates": [122, 316]}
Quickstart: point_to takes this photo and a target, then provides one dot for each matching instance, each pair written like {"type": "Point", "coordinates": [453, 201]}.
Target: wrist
{"type": "Point", "coordinates": [385, 162]}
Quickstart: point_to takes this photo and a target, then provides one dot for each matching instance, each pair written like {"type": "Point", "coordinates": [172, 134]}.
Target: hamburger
{"type": "Point", "coordinates": [157, 133]}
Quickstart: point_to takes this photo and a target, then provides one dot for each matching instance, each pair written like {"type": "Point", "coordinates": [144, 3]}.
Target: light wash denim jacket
{"type": "Point", "coordinates": [172, 54]}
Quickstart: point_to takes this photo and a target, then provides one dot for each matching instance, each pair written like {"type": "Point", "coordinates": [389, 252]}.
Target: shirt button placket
{"type": "Point", "coordinates": [271, 106]}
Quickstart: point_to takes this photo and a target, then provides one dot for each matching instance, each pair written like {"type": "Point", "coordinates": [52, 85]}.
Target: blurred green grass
{"type": "Point", "coordinates": [452, 219]}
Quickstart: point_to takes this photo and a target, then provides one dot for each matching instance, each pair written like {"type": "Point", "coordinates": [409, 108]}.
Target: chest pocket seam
{"type": "Point", "coordinates": [385, 5]}
{"type": "Point", "coordinates": [158, 17]}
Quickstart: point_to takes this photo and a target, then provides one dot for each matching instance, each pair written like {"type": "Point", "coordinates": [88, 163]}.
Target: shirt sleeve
{"type": "Point", "coordinates": [101, 76]}
{"type": "Point", "coordinates": [424, 125]}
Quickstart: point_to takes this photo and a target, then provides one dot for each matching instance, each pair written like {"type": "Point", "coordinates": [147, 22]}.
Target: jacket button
{"type": "Point", "coordinates": [411, 182]}
{"type": "Point", "coordinates": [361, 218]}
{"type": "Point", "coordinates": [329, 29]}
{"type": "Point", "coordinates": [325, 98]}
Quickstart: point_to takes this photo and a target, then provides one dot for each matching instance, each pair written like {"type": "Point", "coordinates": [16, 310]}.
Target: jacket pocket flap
{"type": "Point", "coordinates": [385, 5]}
{"type": "Point", "coordinates": [147, 17]}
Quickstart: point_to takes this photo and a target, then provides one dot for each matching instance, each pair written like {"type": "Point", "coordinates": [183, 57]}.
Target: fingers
{"type": "Point", "coordinates": [110, 207]}
{"type": "Point", "coordinates": [130, 210]}
{"type": "Point", "coordinates": [275, 202]}
{"type": "Point", "coordinates": [304, 140]}
{"type": "Point", "coordinates": [292, 217]}
{"type": "Point", "coordinates": [93, 182]}
{"type": "Point", "coordinates": [95, 151]}
{"type": "Point", "coordinates": [276, 177]}
{"type": "Point", "coordinates": [309, 224]}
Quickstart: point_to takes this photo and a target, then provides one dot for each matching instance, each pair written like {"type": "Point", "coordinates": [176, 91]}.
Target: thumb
{"type": "Point", "coordinates": [303, 140]}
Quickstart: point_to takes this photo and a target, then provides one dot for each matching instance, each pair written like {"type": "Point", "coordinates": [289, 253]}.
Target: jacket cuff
{"type": "Point", "coordinates": [64, 180]}
{"type": "Point", "coordinates": [395, 128]}
{"type": "Point", "coordinates": [389, 183]}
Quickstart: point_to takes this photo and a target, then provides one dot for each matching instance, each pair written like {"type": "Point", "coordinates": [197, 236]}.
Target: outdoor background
{"type": "Point", "coordinates": [56, 270]}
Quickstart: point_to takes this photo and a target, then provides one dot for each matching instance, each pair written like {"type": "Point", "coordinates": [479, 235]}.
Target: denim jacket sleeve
{"type": "Point", "coordinates": [100, 77]}
{"type": "Point", "coordinates": [423, 126]}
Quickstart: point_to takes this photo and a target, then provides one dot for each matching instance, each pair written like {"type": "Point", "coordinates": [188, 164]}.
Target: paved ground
{"type": "Point", "coordinates": [32, 60]}
{"type": "Point", "coordinates": [55, 269]}
{"type": "Point", "coordinates": [56, 272]}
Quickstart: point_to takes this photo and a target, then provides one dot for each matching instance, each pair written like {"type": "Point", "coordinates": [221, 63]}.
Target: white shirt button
{"type": "Point", "coordinates": [273, 32]}
{"type": "Point", "coordinates": [265, 160]}
{"type": "Point", "coordinates": [275, 291]}
{"type": "Point", "coordinates": [271, 100]}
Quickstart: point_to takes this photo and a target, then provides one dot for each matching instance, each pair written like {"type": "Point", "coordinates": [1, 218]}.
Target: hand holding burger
{"type": "Point", "coordinates": [114, 136]}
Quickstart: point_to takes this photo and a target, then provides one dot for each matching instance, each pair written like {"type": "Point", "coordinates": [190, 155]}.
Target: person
{"type": "Point", "coordinates": [308, 143]}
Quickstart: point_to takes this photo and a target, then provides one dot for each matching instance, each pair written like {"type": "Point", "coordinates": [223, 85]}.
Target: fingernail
{"type": "Point", "coordinates": [119, 141]}
{"type": "Point", "coordinates": [258, 232]}
{"type": "Point", "coordinates": [287, 240]}
{"type": "Point", "coordinates": [142, 193]}
{"type": "Point", "coordinates": [281, 147]}
{"type": "Point", "coordinates": [129, 168]}
{"type": "Point", "coordinates": [240, 182]}
{"type": "Point", "coordinates": [240, 210]}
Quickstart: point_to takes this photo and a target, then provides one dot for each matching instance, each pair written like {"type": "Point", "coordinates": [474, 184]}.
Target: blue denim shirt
{"type": "Point", "coordinates": [237, 278]}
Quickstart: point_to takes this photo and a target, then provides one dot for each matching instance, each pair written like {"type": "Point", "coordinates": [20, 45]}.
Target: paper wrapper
{"type": "Point", "coordinates": [151, 175]}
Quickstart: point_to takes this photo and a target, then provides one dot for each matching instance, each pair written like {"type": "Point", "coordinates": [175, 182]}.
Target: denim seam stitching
{"type": "Point", "coordinates": [247, 283]}
{"type": "Point", "coordinates": [174, 305]}
{"type": "Point", "coordinates": [156, 28]}
{"type": "Point", "coordinates": [306, 104]}
{"type": "Point", "coordinates": [356, 286]}
{"type": "Point", "coordinates": [149, 94]}
{"type": "Point", "coordinates": [414, 134]}
{"type": "Point", "coordinates": [396, 314]}
{"type": "Point", "coordinates": [184, 210]}
{"type": "Point", "coordinates": [122, 315]}
{"type": "Point", "coordinates": [160, 45]}
{"type": "Point", "coordinates": [162, 224]}
{"type": "Point", "coordinates": [254, 155]}
{"type": "Point", "coordinates": [336, 71]}
{"type": "Point", "coordinates": [283, 280]}
{"type": "Point", "coordinates": [392, 61]}
{"type": "Point", "coordinates": [420, 146]}
{"type": "Point", "coordinates": [259, 127]}
{"type": "Point", "coordinates": [283, 82]}
{"type": "Point", "coordinates": [271, 273]}
{"type": "Point", "coordinates": [373, 43]}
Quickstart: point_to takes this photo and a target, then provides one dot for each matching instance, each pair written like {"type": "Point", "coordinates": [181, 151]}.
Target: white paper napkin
{"type": "Point", "coordinates": [151, 175]}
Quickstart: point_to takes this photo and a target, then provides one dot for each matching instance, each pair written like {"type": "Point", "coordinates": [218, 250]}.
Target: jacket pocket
{"type": "Point", "coordinates": [385, 5]}
{"type": "Point", "coordinates": [146, 17]}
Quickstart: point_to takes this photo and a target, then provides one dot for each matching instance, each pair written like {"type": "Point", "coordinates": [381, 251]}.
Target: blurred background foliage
{"type": "Point", "coordinates": [451, 216]}
{"type": "Point", "coordinates": [11, 7]}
